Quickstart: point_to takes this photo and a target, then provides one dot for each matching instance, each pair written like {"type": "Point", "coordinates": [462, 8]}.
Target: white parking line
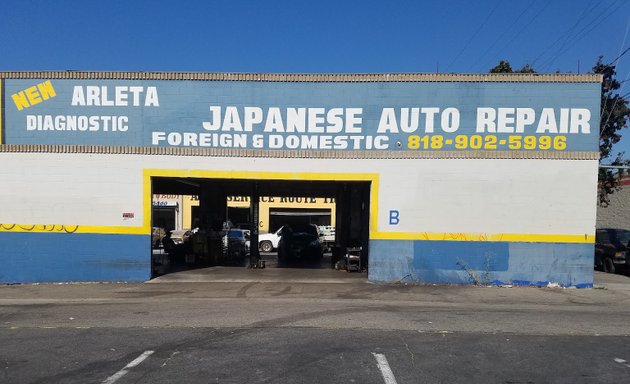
{"type": "Point", "coordinates": [113, 378]}
{"type": "Point", "coordinates": [386, 371]}
{"type": "Point", "coordinates": [621, 361]}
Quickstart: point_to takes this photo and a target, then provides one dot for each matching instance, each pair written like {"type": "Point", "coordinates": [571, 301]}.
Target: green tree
{"type": "Point", "coordinates": [505, 67]}
{"type": "Point", "coordinates": [526, 69]}
{"type": "Point", "coordinates": [614, 117]}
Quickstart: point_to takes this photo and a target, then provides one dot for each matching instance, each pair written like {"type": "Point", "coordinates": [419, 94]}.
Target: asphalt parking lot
{"type": "Point", "coordinates": [294, 355]}
{"type": "Point", "coordinates": [279, 330]}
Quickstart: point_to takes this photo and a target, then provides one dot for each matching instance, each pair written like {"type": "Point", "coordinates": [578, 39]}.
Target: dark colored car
{"type": "Point", "coordinates": [177, 243]}
{"type": "Point", "coordinates": [299, 241]}
{"type": "Point", "coordinates": [235, 244]}
{"type": "Point", "coordinates": [612, 249]}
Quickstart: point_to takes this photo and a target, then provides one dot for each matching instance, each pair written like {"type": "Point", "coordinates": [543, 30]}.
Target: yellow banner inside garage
{"type": "Point", "coordinates": [180, 211]}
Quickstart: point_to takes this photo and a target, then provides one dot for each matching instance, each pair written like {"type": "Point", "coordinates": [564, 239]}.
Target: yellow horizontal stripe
{"type": "Point", "coordinates": [61, 228]}
{"type": "Point", "coordinates": [505, 237]}
{"type": "Point", "coordinates": [250, 175]}
{"type": "Point", "coordinates": [501, 237]}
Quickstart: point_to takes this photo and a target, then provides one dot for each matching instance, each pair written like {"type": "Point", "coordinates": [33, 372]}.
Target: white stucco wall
{"type": "Point", "coordinates": [454, 195]}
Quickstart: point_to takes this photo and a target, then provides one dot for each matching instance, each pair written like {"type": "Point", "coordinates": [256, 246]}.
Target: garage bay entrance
{"type": "Point", "coordinates": [259, 223]}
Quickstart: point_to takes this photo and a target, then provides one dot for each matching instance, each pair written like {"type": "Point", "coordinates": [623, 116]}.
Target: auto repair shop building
{"type": "Point", "coordinates": [459, 179]}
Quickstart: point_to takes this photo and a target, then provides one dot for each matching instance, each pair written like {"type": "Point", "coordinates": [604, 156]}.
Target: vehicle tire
{"type": "Point", "coordinates": [609, 266]}
{"type": "Point", "coordinates": [266, 246]}
{"type": "Point", "coordinates": [598, 265]}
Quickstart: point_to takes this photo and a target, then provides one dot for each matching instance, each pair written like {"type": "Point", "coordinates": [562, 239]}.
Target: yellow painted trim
{"type": "Point", "coordinates": [72, 228]}
{"type": "Point", "coordinates": [374, 207]}
{"type": "Point", "coordinates": [145, 228]}
{"type": "Point", "coordinates": [506, 237]}
{"type": "Point", "coordinates": [250, 175]}
{"type": "Point", "coordinates": [147, 201]}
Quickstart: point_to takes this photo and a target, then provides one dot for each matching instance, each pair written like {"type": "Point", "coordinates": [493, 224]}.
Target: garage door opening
{"type": "Point", "coordinates": [255, 223]}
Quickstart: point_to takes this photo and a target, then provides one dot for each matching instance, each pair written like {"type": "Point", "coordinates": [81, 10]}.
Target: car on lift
{"type": "Point", "coordinates": [612, 249]}
{"type": "Point", "coordinates": [299, 242]}
{"type": "Point", "coordinates": [267, 242]}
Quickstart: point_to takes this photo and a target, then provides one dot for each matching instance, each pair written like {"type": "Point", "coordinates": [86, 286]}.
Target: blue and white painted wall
{"type": "Point", "coordinates": [495, 184]}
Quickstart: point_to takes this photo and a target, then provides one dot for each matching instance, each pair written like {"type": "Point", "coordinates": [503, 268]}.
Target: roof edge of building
{"type": "Point", "coordinates": [310, 78]}
{"type": "Point", "coordinates": [312, 154]}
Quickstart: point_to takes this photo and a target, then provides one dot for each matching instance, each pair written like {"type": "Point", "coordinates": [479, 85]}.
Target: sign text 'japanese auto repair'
{"type": "Point", "coordinates": [304, 116]}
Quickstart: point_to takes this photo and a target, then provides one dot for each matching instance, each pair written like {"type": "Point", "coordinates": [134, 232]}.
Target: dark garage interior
{"type": "Point", "coordinates": [213, 220]}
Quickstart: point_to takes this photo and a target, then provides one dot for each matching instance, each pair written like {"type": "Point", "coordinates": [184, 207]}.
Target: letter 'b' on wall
{"type": "Point", "coordinates": [394, 217]}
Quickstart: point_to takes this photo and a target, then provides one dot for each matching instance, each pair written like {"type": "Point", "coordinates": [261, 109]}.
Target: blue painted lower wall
{"type": "Point", "coordinates": [488, 263]}
{"type": "Point", "coordinates": [64, 257]}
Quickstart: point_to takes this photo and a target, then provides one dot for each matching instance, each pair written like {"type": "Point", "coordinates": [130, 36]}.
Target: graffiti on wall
{"type": "Point", "coordinates": [452, 236]}
{"type": "Point", "coordinates": [61, 228]}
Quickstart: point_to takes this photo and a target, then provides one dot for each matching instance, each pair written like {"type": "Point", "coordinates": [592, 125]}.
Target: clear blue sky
{"type": "Point", "coordinates": [315, 36]}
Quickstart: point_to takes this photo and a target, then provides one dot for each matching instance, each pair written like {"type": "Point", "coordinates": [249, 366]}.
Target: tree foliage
{"type": "Point", "coordinates": [614, 112]}
{"type": "Point", "coordinates": [613, 118]}
{"type": "Point", "coordinates": [505, 67]}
